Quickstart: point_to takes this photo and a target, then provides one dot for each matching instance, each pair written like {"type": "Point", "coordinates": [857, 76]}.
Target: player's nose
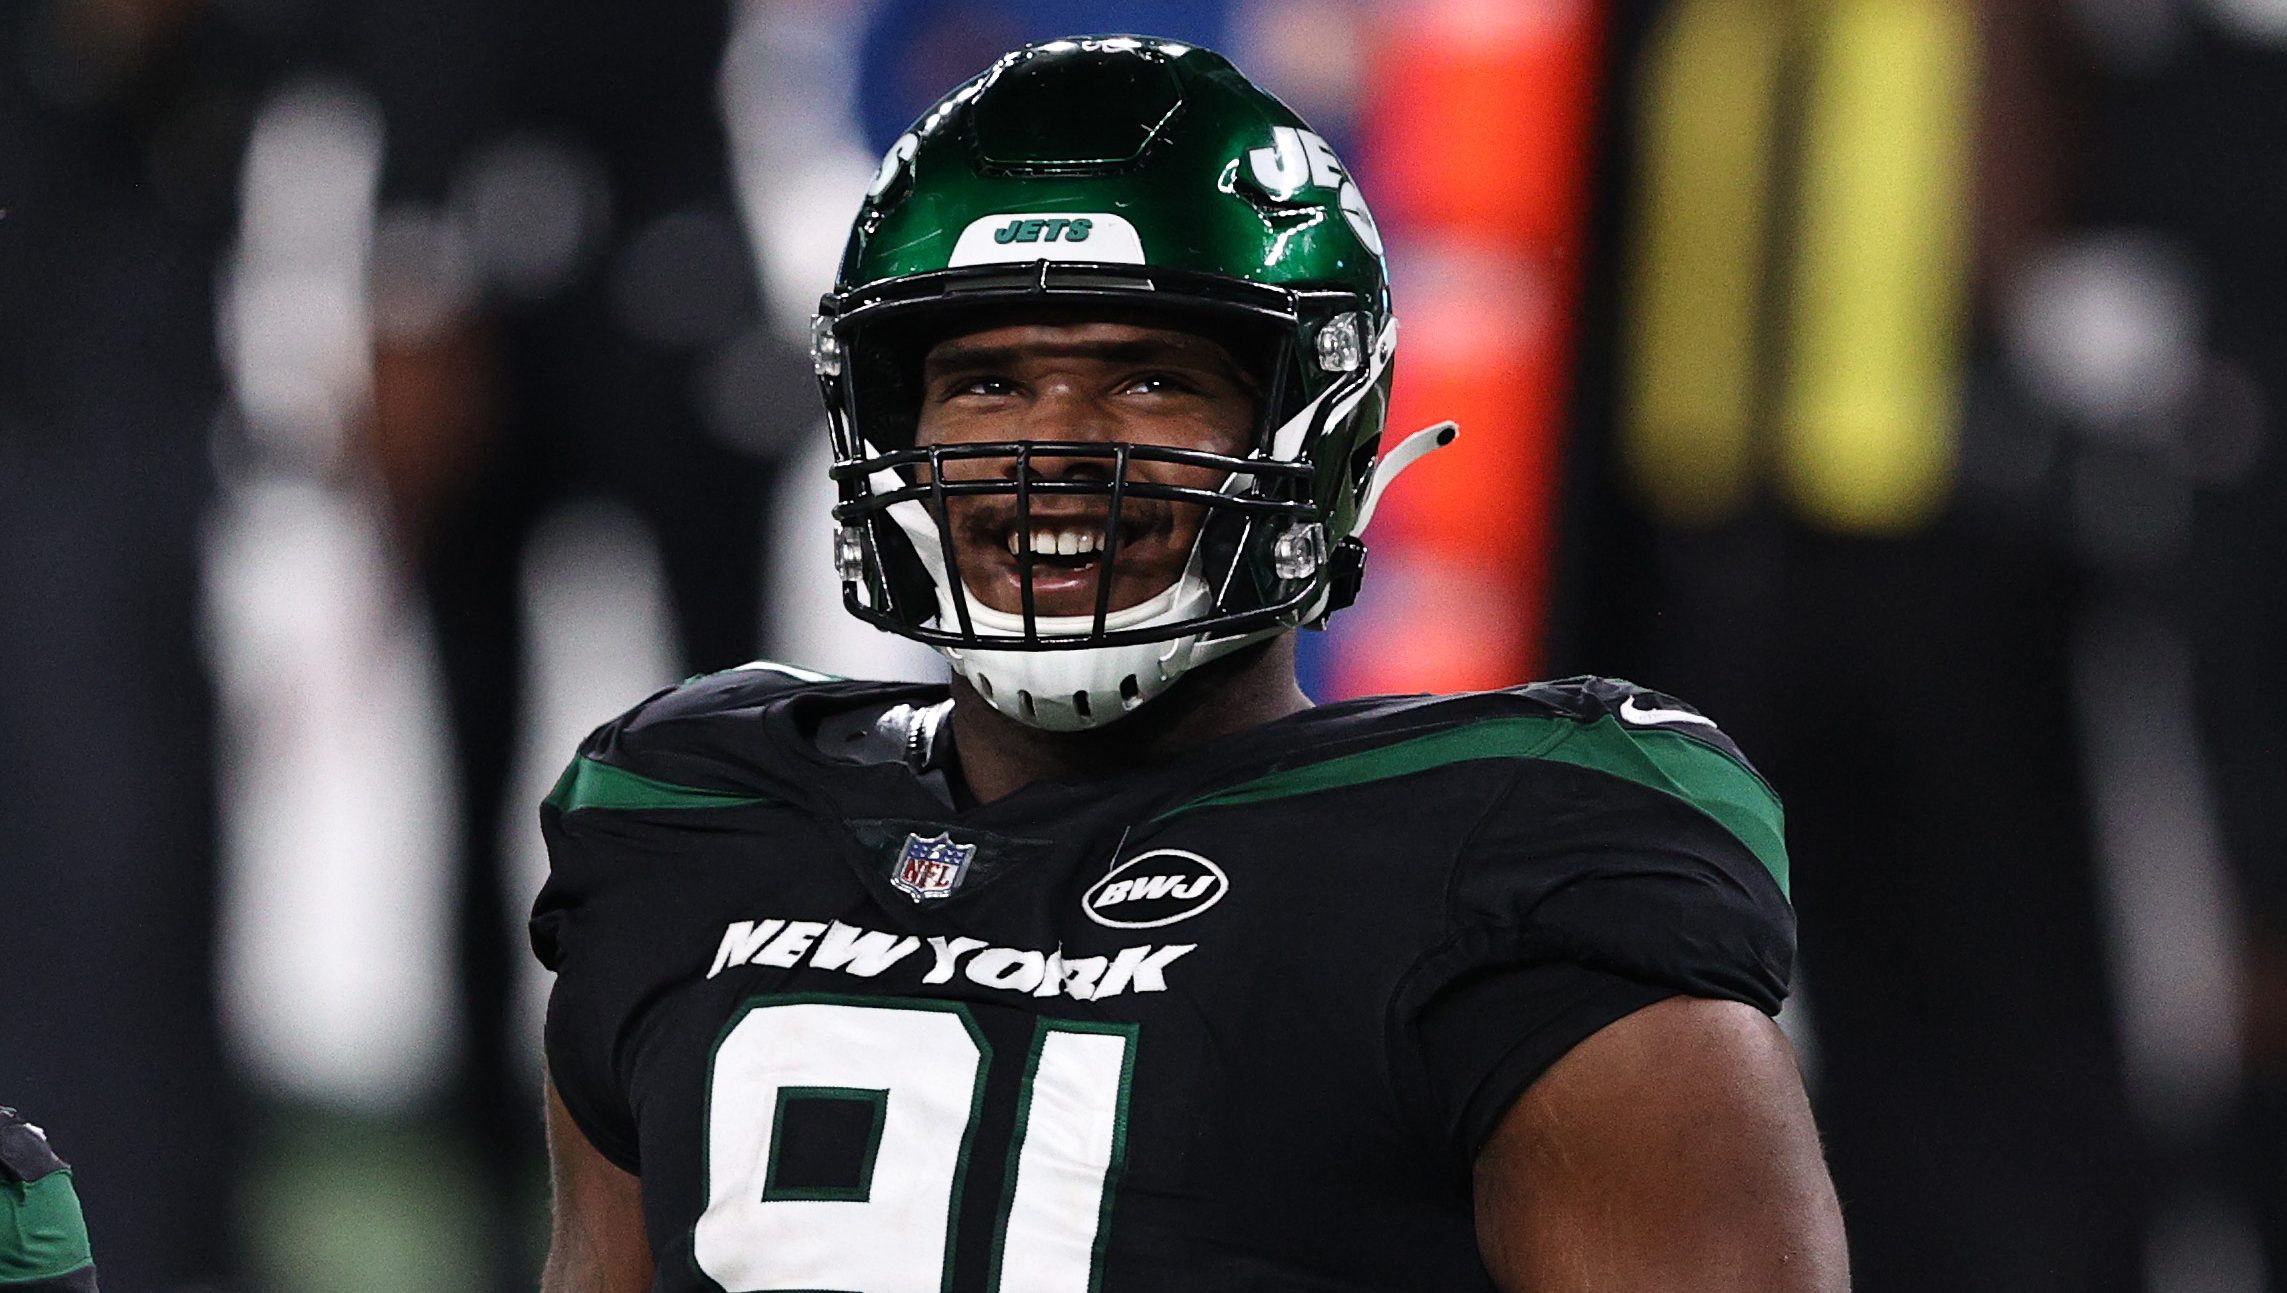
{"type": "Point", "coordinates": [1064, 412]}
{"type": "Point", "coordinates": [1066, 417]}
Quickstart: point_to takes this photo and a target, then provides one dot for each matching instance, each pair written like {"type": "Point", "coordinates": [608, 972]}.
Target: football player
{"type": "Point", "coordinates": [43, 1238]}
{"type": "Point", "coordinates": [1117, 965]}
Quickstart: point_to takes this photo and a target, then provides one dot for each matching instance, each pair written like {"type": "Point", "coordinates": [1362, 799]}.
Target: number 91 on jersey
{"type": "Point", "coordinates": [899, 1084]}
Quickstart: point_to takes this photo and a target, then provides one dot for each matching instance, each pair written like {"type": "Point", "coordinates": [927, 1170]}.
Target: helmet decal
{"type": "Point", "coordinates": [1296, 159]}
{"type": "Point", "coordinates": [893, 164]}
{"type": "Point", "coordinates": [1049, 235]}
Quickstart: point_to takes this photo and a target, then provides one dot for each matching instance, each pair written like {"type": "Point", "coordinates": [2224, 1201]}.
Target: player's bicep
{"type": "Point", "coordinates": [596, 1243]}
{"type": "Point", "coordinates": [1672, 1149]}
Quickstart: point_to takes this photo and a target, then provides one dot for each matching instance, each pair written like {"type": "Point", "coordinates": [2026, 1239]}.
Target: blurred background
{"type": "Point", "coordinates": [391, 390]}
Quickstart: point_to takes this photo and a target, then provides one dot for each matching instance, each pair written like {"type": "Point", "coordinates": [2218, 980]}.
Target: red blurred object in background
{"type": "Point", "coordinates": [1482, 123]}
{"type": "Point", "coordinates": [1476, 154]}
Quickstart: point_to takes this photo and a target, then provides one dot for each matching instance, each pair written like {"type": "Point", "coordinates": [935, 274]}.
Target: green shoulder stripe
{"type": "Point", "coordinates": [1669, 762]}
{"type": "Point", "coordinates": [1704, 777]}
{"type": "Point", "coordinates": [42, 1235]}
{"type": "Point", "coordinates": [592, 783]}
{"type": "Point", "coordinates": [1496, 738]}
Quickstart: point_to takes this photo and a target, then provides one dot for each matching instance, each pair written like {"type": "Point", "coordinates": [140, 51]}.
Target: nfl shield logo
{"type": "Point", "coordinates": [931, 868]}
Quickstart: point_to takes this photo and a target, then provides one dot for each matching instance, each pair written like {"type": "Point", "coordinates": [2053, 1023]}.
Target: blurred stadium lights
{"type": "Point", "coordinates": [2105, 327]}
{"type": "Point", "coordinates": [1800, 367]}
{"type": "Point", "coordinates": [294, 325]}
{"type": "Point", "coordinates": [2204, 1244]}
{"type": "Point", "coordinates": [335, 791]}
{"type": "Point", "coordinates": [1820, 288]}
{"type": "Point", "coordinates": [424, 277]}
{"type": "Point", "coordinates": [1704, 199]}
{"type": "Point", "coordinates": [533, 207]}
{"type": "Point", "coordinates": [2255, 20]}
{"type": "Point", "coordinates": [1881, 280]}
{"type": "Point", "coordinates": [336, 796]}
{"type": "Point", "coordinates": [2170, 903]}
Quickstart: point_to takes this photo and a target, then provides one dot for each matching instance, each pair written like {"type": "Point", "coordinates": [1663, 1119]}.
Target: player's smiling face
{"type": "Point", "coordinates": [1090, 383]}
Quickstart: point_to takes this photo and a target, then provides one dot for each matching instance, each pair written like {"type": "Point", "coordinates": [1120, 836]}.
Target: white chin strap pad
{"type": "Point", "coordinates": [1072, 690]}
{"type": "Point", "coordinates": [1067, 691]}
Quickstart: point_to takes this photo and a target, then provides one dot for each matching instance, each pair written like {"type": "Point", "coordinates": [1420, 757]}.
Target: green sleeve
{"type": "Point", "coordinates": [43, 1237]}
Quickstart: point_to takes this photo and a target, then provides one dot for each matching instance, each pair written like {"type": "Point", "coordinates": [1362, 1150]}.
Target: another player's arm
{"type": "Point", "coordinates": [597, 1243]}
{"type": "Point", "coordinates": [1672, 1149]}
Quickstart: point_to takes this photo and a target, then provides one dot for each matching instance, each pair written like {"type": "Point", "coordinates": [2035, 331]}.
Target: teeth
{"type": "Point", "coordinates": [1059, 543]}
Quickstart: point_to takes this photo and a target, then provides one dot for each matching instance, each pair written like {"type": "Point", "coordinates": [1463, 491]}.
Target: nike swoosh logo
{"type": "Point", "coordinates": [1636, 711]}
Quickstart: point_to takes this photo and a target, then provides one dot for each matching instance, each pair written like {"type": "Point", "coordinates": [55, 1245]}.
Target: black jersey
{"type": "Point", "coordinates": [1241, 1021]}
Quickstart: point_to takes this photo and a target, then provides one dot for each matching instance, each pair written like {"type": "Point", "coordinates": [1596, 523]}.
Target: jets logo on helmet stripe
{"type": "Point", "coordinates": [1299, 159]}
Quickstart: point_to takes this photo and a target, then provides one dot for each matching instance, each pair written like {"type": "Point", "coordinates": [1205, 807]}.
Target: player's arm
{"type": "Point", "coordinates": [597, 1243]}
{"type": "Point", "coordinates": [1672, 1149]}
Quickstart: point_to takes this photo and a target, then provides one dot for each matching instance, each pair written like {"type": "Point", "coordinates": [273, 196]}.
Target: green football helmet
{"type": "Point", "coordinates": [1134, 179]}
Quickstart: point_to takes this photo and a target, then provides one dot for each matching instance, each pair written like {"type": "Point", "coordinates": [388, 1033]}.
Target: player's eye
{"type": "Point", "coordinates": [980, 385]}
{"type": "Point", "coordinates": [1161, 383]}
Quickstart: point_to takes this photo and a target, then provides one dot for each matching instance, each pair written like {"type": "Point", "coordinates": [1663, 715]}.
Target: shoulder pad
{"type": "Point", "coordinates": [744, 687]}
{"type": "Point", "coordinates": [1589, 698]}
{"type": "Point", "coordinates": [705, 743]}
{"type": "Point", "coordinates": [1657, 741]}
{"type": "Point", "coordinates": [656, 755]}
{"type": "Point", "coordinates": [24, 1151]}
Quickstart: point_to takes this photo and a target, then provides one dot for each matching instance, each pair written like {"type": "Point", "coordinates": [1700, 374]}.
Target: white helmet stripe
{"type": "Point", "coordinates": [1286, 442]}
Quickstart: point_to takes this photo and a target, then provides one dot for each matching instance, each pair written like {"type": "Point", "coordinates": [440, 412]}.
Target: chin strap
{"type": "Point", "coordinates": [1410, 450]}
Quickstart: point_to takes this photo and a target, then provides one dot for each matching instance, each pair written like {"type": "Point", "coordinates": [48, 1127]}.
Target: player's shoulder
{"type": "Point", "coordinates": [1589, 714]}
{"type": "Point", "coordinates": [735, 694]}
{"type": "Point", "coordinates": [1613, 753]}
{"type": "Point", "coordinates": [25, 1155]}
{"type": "Point", "coordinates": [1654, 743]}
{"type": "Point", "coordinates": [1542, 709]}
{"type": "Point", "coordinates": [1646, 749]}
{"type": "Point", "coordinates": [715, 738]}
{"type": "Point", "coordinates": [1569, 719]}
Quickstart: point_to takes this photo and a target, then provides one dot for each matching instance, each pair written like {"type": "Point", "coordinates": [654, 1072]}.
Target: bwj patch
{"type": "Point", "coordinates": [931, 868]}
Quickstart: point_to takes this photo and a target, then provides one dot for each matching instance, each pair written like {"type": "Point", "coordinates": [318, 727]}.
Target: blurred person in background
{"type": "Point", "coordinates": [551, 306]}
{"type": "Point", "coordinates": [121, 123]}
{"type": "Point", "coordinates": [1931, 411]}
{"type": "Point", "coordinates": [43, 1236]}
{"type": "Point", "coordinates": [564, 309]}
